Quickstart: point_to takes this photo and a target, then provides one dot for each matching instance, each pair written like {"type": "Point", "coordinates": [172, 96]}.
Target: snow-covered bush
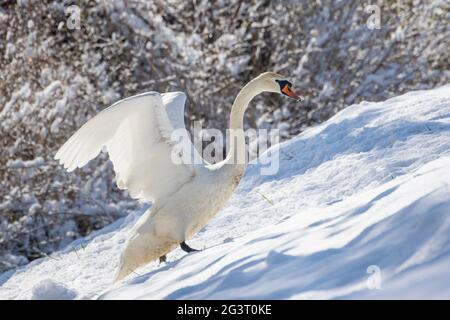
{"type": "Point", "coordinates": [54, 76]}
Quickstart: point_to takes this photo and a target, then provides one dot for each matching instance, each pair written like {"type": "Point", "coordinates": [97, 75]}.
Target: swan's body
{"type": "Point", "coordinates": [136, 133]}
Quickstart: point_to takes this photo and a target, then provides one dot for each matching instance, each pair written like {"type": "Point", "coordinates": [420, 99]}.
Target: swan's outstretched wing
{"type": "Point", "coordinates": [136, 133]}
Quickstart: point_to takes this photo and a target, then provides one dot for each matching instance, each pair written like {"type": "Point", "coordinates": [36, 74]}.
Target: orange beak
{"type": "Point", "coordinates": [288, 91]}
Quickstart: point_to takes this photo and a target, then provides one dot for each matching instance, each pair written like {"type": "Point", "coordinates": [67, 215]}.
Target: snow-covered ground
{"type": "Point", "coordinates": [360, 208]}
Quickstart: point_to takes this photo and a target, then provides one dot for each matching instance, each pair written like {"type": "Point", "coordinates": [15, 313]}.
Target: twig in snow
{"type": "Point", "coordinates": [265, 198]}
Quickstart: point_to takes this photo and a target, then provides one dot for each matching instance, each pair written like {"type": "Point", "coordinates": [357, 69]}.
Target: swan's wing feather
{"type": "Point", "coordinates": [136, 133]}
{"type": "Point", "coordinates": [174, 103]}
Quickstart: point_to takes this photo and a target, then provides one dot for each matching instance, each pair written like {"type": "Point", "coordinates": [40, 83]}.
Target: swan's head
{"type": "Point", "coordinates": [274, 82]}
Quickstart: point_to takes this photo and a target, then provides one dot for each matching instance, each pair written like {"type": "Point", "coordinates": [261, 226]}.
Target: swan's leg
{"type": "Point", "coordinates": [162, 259]}
{"type": "Point", "coordinates": [186, 248]}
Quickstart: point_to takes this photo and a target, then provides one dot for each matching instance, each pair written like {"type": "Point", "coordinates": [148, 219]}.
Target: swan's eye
{"type": "Point", "coordinates": [283, 84]}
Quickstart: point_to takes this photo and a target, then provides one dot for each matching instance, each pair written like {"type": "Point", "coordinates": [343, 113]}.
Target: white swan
{"type": "Point", "coordinates": [136, 133]}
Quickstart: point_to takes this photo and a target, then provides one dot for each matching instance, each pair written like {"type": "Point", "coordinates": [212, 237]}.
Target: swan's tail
{"type": "Point", "coordinates": [142, 248]}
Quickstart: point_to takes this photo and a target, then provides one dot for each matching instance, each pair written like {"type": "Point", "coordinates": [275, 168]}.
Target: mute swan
{"type": "Point", "coordinates": [136, 132]}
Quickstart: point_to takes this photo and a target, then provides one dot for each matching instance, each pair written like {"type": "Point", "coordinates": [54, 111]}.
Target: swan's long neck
{"type": "Point", "coordinates": [237, 138]}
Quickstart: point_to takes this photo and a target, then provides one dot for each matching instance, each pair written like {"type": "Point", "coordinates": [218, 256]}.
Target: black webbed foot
{"type": "Point", "coordinates": [186, 248]}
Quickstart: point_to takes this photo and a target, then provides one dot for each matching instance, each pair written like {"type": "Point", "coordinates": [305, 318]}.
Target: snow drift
{"type": "Point", "coordinates": [364, 196]}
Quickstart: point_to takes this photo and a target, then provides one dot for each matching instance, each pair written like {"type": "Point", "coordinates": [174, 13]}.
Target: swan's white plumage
{"type": "Point", "coordinates": [186, 193]}
{"type": "Point", "coordinates": [175, 103]}
{"type": "Point", "coordinates": [136, 133]}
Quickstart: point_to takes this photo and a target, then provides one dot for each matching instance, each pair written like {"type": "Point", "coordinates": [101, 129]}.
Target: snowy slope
{"type": "Point", "coordinates": [370, 188]}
